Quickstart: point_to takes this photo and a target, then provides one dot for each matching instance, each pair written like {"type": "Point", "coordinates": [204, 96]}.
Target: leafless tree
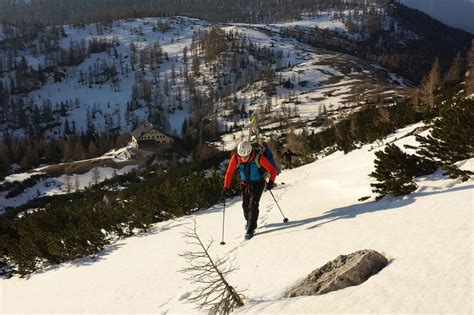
{"type": "Point", "coordinates": [214, 294]}
{"type": "Point", "coordinates": [430, 85]}
{"type": "Point", "coordinates": [353, 128]}
{"type": "Point", "coordinates": [68, 183]}
{"type": "Point", "coordinates": [454, 72]}
{"type": "Point", "coordinates": [76, 183]}
{"type": "Point", "coordinates": [470, 74]}
{"type": "Point", "coordinates": [383, 116]}
{"type": "Point", "coordinates": [415, 96]}
{"type": "Point", "coordinates": [95, 175]}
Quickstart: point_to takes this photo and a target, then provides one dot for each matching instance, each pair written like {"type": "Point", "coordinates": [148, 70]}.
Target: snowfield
{"type": "Point", "coordinates": [58, 185]}
{"type": "Point", "coordinates": [428, 236]}
{"type": "Point", "coordinates": [324, 21]}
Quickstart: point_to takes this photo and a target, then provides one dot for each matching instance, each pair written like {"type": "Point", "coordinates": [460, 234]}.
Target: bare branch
{"type": "Point", "coordinates": [215, 294]}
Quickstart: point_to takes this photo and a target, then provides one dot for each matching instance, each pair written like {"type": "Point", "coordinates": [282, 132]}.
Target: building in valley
{"type": "Point", "coordinates": [148, 135]}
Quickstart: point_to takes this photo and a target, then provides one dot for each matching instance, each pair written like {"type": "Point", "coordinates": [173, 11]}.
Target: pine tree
{"type": "Point", "coordinates": [4, 160]}
{"type": "Point", "coordinates": [135, 92]}
{"type": "Point", "coordinates": [67, 129]}
{"type": "Point", "coordinates": [195, 65]}
{"type": "Point", "coordinates": [343, 137]}
{"type": "Point", "coordinates": [146, 90]}
{"type": "Point", "coordinates": [184, 126]}
{"type": "Point", "coordinates": [395, 170]}
{"type": "Point", "coordinates": [452, 138]}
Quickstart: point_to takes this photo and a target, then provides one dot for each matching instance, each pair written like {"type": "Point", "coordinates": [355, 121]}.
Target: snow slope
{"type": "Point", "coordinates": [325, 21]}
{"type": "Point", "coordinates": [58, 185]}
{"type": "Point", "coordinates": [105, 100]}
{"type": "Point", "coordinates": [428, 236]}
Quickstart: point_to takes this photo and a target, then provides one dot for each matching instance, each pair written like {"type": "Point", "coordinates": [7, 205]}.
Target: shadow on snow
{"type": "Point", "coordinates": [352, 211]}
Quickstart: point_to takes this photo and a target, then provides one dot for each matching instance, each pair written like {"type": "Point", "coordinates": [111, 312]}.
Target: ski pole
{"type": "Point", "coordinates": [285, 219]}
{"type": "Point", "coordinates": [223, 221]}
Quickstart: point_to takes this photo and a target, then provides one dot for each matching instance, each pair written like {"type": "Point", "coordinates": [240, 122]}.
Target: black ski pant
{"type": "Point", "coordinates": [251, 198]}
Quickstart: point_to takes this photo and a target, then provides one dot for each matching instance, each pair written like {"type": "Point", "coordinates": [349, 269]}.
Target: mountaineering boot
{"type": "Point", "coordinates": [249, 235]}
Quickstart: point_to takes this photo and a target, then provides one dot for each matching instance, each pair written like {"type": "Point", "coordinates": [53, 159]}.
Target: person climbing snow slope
{"type": "Point", "coordinates": [252, 167]}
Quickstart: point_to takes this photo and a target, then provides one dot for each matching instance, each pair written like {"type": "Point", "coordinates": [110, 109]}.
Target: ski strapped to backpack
{"type": "Point", "coordinates": [260, 147]}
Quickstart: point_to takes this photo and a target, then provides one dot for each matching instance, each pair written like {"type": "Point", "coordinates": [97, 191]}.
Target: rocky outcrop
{"type": "Point", "coordinates": [342, 272]}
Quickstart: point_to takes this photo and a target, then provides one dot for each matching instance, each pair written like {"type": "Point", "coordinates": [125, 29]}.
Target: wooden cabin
{"type": "Point", "coordinates": [148, 135]}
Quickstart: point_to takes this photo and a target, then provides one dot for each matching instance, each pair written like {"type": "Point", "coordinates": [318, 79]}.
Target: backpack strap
{"type": "Point", "coordinates": [263, 172]}
{"type": "Point", "coordinates": [256, 155]}
{"type": "Point", "coordinates": [257, 158]}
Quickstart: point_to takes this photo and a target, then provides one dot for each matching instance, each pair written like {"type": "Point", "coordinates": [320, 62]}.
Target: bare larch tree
{"type": "Point", "coordinates": [215, 294]}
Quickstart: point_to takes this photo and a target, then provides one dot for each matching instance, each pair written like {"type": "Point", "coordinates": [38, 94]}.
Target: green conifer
{"type": "Point", "coordinates": [452, 138]}
{"type": "Point", "coordinates": [395, 170]}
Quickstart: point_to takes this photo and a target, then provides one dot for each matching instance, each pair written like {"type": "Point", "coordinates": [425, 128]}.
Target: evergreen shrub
{"type": "Point", "coordinates": [395, 171]}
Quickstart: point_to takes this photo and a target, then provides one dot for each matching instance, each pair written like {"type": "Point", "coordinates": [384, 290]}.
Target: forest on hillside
{"type": "Point", "coordinates": [379, 22]}
{"type": "Point", "coordinates": [57, 12]}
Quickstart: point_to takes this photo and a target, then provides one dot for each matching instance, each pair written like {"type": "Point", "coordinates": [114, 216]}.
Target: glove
{"type": "Point", "coordinates": [270, 185]}
{"type": "Point", "coordinates": [226, 192]}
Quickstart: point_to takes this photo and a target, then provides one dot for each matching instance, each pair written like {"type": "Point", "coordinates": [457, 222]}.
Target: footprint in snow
{"type": "Point", "coordinates": [268, 208]}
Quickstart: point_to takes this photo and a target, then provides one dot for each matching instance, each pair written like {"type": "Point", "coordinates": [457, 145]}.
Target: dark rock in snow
{"type": "Point", "coordinates": [342, 272]}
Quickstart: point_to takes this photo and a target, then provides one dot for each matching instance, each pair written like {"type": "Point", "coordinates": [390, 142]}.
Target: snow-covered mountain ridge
{"type": "Point", "coordinates": [427, 235]}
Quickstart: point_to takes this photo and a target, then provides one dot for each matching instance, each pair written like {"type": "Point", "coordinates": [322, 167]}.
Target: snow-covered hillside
{"type": "Point", "coordinates": [107, 101]}
{"type": "Point", "coordinates": [315, 78]}
{"type": "Point", "coordinates": [111, 77]}
{"type": "Point", "coordinates": [427, 236]}
{"type": "Point", "coordinates": [51, 185]}
{"type": "Point", "coordinates": [96, 94]}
